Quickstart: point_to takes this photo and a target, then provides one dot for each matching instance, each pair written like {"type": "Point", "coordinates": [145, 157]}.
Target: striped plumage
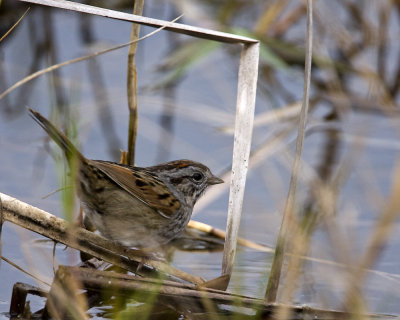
{"type": "Point", "coordinates": [138, 207]}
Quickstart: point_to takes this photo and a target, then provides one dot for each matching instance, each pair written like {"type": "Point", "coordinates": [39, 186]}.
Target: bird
{"type": "Point", "coordinates": [141, 207]}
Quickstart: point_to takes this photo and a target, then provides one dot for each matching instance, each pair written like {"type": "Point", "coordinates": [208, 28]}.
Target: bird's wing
{"type": "Point", "coordinates": [142, 185]}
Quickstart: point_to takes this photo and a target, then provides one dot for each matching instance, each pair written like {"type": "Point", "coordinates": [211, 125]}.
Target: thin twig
{"type": "Point", "coordinates": [15, 25]}
{"type": "Point", "coordinates": [79, 59]}
{"type": "Point", "coordinates": [24, 271]}
{"type": "Point", "coordinates": [55, 191]}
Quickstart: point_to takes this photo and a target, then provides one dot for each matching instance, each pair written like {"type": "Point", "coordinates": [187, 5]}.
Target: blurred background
{"type": "Point", "coordinates": [187, 97]}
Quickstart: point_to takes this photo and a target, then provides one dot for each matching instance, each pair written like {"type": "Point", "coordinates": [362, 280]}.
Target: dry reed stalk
{"type": "Point", "coordinates": [222, 234]}
{"type": "Point", "coordinates": [289, 214]}
{"type": "Point", "coordinates": [132, 85]}
{"type": "Point", "coordinates": [184, 299]}
{"type": "Point", "coordinates": [246, 96]}
{"type": "Point", "coordinates": [156, 23]}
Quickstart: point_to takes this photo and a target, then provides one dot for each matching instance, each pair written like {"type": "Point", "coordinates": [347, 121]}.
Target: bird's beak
{"type": "Point", "coordinates": [214, 180]}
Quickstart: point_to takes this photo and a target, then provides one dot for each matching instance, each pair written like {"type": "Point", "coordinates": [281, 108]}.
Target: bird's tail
{"type": "Point", "coordinates": [65, 144]}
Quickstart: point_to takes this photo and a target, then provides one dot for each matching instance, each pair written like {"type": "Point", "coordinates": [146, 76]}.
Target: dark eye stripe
{"type": "Point", "coordinates": [177, 180]}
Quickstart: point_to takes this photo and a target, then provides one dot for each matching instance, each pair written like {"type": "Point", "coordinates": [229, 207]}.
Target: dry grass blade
{"type": "Point", "coordinates": [79, 59]}
{"type": "Point", "coordinates": [288, 216]}
{"type": "Point", "coordinates": [281, 115]}
{"type": "Point", "coordinates": [53, 192]}
{"type": "Point", "coordinates": [377, 242]}
{"type": "Point", "coordinates": [24, 271]}
{"type": "Point", "coordinates": [15, 25]}
{"type": "Point", "coordinates": [64, 298]}
{"type": "Point", "coordinates": [270, 14]}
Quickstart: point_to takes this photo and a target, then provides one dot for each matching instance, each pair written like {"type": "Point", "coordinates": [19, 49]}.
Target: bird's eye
{"type": "Point", "coordinates": [197, 177]}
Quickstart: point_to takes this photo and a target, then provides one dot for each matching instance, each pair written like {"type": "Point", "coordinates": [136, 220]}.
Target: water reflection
{"type": "Point", "coordinates": [355, 85]}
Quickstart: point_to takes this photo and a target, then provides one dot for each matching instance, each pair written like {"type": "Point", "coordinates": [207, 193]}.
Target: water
{"type": "Point", "coordinates": [205, 101]}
